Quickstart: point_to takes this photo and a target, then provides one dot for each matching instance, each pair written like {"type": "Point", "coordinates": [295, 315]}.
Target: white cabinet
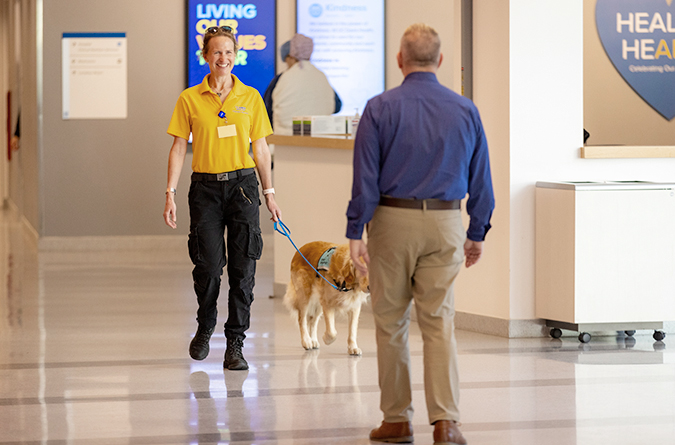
{"type": "Point", "coordinates": [605, 255]}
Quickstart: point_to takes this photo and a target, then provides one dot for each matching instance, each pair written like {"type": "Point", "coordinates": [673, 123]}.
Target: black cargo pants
{"type": "Point", "coordinates": [217, 207]}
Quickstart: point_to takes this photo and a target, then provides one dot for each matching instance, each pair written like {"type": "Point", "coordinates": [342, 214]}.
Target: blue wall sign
{"type": "Point", "coordinates": [639, 38]}
{"type": "Point", "coordinates": [254, 24]}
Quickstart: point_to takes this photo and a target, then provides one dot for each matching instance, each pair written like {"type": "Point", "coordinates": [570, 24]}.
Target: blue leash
{"type": "Point", "coordinates": [285, 231]}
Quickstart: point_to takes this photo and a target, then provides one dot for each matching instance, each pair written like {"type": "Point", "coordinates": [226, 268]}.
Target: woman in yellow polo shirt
{"type": "Point", "coordinates": [223, 115]}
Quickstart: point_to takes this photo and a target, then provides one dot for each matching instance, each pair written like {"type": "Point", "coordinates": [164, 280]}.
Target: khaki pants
{"type": "Point", "coordinates": [415, 255]}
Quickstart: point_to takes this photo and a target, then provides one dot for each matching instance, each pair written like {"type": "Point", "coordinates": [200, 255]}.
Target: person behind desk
{"type": "Point", "coordinates": [301, 90]}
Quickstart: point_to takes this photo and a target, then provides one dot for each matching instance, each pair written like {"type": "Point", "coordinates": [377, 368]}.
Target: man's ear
{"type": "Point", "coordinates": [399, 59]}
{"type": "Point", "coordinates": [440, 60]}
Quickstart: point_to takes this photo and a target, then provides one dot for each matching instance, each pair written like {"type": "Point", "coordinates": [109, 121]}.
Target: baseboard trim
{"type": "Point", "coordinates": [500, 327]}
{"type": "Point", "coordinates": [483, 324]}
{"type": "Point", "coordinates": [111, 243]}
{"type": "Point", "coordinates": [279, 290]}
{"type": "Point", "coordinates": [28, 228]}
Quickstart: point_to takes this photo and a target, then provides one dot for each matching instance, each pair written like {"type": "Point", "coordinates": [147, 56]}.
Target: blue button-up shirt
{"type": "Point", "coordinates": [423, 141]}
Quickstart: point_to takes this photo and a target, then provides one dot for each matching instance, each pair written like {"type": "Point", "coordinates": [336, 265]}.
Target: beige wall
{"type": "Point", "coordinates": [443, 16]}
{"type": "Point", "coordinates": [399, 14]}
{"type": "Point", "coordinates": [24, 169]}
{"type": "Point", "coordinates": [613, 113]}
{"type": "Point", "coordinates": [5, 33]}
{"type": "Point", "coordinates": [484, 288]}
{"type": "Point", "coordinates": [108, 177]}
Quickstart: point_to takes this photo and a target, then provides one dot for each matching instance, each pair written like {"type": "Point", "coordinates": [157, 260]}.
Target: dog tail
{"type": "Point", "coordinates": [289, 299]}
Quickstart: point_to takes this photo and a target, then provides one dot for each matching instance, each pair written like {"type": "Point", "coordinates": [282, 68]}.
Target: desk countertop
{"type": "Point", "coordinates": [342, 142]}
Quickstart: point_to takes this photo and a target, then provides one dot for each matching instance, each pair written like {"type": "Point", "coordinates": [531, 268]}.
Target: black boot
{"type": "Point", "coordinates": [234, 358]}
{"type": "Point", "coordinates": [199, 346]}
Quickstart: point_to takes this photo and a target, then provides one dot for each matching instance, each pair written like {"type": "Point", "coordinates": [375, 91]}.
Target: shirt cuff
{"type": "Point", "coordinates": [354, 231]}
{"type": "Point", "coordinates": [478, 234]}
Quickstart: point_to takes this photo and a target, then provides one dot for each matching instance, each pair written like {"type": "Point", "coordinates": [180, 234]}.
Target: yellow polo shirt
{"type": "Point", "coordinates": [197, 111]}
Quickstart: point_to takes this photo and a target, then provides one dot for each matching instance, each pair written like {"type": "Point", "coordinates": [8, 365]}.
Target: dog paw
{"type": "Point", "coordinates": [354, 350]}
{"type": "Point", "coordinates": [329, 338]}
{"type": "Point", "coordinates": [308, 344]}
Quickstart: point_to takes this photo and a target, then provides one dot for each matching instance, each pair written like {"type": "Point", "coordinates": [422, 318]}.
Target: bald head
{"type": "Point", "coordinates": [420, 48]}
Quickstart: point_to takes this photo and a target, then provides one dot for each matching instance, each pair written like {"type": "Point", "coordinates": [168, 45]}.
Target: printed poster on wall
{"type": "Point", "coordinates": [94, 75]}
{"type": "Point", "coordinates": [348, 46]}
{"type": "Point", "coordinates": [254, 26]}
{"type": "Point", "coordinates": [639, 38]}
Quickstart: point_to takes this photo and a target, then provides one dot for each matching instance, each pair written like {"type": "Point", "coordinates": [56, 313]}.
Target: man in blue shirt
{"type": "Point", "coordinates": [419, 149]}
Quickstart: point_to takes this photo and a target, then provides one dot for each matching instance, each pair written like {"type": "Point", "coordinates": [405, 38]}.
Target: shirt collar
{"type": "Point", "coordinates": [236, 88]}
{"type": "Point", "coordinates": [422, 76]}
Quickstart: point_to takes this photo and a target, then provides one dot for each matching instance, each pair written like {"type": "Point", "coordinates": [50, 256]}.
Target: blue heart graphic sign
{"type": "Point", "coordinates": [639, 38]}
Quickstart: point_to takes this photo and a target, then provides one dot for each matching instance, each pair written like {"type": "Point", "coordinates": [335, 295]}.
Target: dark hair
{"type": "Point", "coordinates": [219, 32]}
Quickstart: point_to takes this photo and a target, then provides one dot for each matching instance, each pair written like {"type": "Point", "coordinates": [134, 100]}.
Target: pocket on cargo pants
{"type": "Point", "coordinates": [255, 242]}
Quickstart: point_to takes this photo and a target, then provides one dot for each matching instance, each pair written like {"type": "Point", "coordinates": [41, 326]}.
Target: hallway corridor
{"type": "Point", "coordinates": [94, 350]}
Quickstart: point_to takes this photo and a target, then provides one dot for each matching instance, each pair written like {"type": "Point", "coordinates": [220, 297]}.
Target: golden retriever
{"type": "Point", "coordinates": [309, 296]}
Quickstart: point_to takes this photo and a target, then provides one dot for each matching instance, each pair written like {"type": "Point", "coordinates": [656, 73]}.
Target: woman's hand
{"type": "Point", "coordinates": [176, 160]}
{"type": "Point", "coordinates": [273, 207]}
{"type": "Point", "coordinates": [170, 211]}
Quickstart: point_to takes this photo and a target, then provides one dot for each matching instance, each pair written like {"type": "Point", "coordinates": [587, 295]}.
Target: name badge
{"type": "Point", "coordinates": [227, 131]}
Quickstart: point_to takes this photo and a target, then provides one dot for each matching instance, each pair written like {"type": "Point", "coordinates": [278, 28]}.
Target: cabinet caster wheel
{"type": "Point", "coordinates": [659, 335]}
{"type": "Point", "coordinates": [584, 337]}
{"type": "Point", "coordinates": [556, 333]}
{"type": "Point", "coordinates": [629, 333]}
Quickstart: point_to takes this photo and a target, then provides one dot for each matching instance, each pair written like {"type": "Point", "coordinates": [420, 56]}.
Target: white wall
{"type": "Point", "coordinates": [533, 115]}
{"type": "Point", "coordinates": [546, 95]}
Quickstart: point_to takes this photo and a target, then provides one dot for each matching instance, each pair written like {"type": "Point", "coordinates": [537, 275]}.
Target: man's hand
{"type": "Point", "coordinates": [359, 253]}
{"type": "Point", "coordinates": [472, 251]}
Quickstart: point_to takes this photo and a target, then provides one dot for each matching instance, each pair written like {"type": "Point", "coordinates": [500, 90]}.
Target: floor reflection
{"type": "Point", "coordinates": [93, 350]}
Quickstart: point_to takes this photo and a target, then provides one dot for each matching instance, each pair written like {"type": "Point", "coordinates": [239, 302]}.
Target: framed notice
{"type": "Point", "coordinates": [348, 46]}
{"type": "Point", "coordinates": [94, 75]}
{"type": "Point", "coordinates": [254, 26]}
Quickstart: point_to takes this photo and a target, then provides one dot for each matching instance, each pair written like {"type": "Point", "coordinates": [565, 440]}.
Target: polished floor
{"type": "Point", "coordinates": [93, 350]}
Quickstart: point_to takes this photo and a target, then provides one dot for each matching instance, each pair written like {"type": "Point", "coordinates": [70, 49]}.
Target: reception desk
{"type": "Point", "coordinates": [313, 182]}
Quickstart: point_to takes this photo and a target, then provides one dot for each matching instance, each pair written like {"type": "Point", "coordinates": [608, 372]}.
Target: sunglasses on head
{"type": "Point", "coordinates": [215, 29]}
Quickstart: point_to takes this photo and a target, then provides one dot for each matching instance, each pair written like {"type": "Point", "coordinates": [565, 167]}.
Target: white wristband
{"type": "Point", "coordinates": [171, 190]}
{"type": "Point", "coordinates": [268, 191]}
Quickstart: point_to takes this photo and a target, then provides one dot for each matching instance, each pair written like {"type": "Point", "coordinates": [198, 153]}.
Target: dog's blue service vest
{"type": "Point", "coordinates": [324, 261]}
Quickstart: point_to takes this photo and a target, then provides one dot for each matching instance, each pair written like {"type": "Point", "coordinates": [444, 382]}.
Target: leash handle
{"type": "Point", "coordinates": [285, 231]}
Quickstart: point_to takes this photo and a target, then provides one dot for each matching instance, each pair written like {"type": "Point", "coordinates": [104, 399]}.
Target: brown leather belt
{"type": "Point", "coordinates": [429, 204]}
{"type": "Point", "coordinates": [227, 176]}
